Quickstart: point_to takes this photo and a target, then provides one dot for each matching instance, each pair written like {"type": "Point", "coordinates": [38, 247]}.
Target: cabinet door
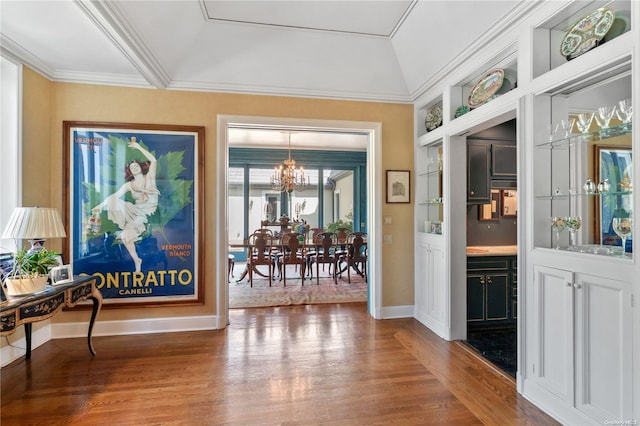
{"type": "Point", "coordinates": [604, 346]}
{"type": "Point", "coordinates": [497, 297]}
{"type": "Point", "coordinates": [475, 297]}
{"type": "Point", "coordinates": [551, 337]}
{"type": "Point", "coordinates": [504, 161]}
{"type": "Point", "coordinates": [478, 180]}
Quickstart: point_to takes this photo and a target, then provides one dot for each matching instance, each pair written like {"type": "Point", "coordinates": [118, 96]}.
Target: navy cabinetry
{"type": "Point", "coordinates": [491, 290]}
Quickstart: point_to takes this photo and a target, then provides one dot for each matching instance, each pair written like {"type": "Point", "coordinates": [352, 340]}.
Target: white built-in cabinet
{"type": "Point", "coordinates": [578, 325]}
{"type": "Point", "coordinates": [431, 290]}
{"type": "Point", "coordinates": [582, 342]}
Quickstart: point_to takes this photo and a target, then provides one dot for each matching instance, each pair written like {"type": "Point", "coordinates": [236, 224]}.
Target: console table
{"type": "Point", "coordinates": [45, 304]}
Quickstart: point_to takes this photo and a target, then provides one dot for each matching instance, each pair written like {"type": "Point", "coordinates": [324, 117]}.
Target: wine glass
{"type": "Point", "coordinates": [573, 224]}
{"type": "Point", "coordinates": [584, 121]}
{"type": "Point", "coordinates": [558, 224]}
{"type": "Point", "coordinates": [604, 116]}
{"type": "Point", "coordinates": [622, 227]}
{"type": "Point", "coordinates": [567, 126]}
{"type": "Point", "coordinates": [552, 128]}
{"type": "Point", "coordinates": [624, 110]}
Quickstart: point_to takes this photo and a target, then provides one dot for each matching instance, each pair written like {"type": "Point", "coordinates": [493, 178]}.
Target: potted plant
{"type": "Point", "coordinates": [30, 271]}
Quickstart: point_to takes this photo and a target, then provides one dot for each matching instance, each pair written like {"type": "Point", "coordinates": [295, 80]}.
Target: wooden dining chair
{"type": "Point", "coordinates": [325, 245]}
{"type": "Point", "coordinates": [259, 253]}
{"type": "Point", "coordinates": [311, 247]}
{"type": "Point", "coordinates": [291, 253]}
{"type": "Point", "coordinates": [356, 255]}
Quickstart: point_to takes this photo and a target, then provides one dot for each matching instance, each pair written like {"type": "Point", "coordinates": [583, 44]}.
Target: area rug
{"type": "Point", "coordinates": [242, 295]}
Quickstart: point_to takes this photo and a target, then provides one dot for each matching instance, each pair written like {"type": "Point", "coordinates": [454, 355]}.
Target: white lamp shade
{"type": "Point", "coordinates": [34, 223]}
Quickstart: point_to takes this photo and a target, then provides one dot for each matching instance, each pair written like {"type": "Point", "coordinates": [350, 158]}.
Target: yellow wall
{"type": "Point", "coordinates": [48, 104]}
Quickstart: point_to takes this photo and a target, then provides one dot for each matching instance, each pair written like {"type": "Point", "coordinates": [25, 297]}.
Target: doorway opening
{"type": "Point", "coordinates": [373, 183]}
{"type": "Point", "coordinates": [492, 238]}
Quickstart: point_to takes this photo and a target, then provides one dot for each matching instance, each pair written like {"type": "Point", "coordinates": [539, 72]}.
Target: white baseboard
{"type": "Point", "coordinates": [389, 312]}
{"type": "Point", "coordinates": [141, 326]}
{"type": "Point", "coordinates": [18, 348]}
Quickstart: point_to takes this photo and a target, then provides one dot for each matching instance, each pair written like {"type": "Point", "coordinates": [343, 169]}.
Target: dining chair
{"type": "Point", "coordinates": [311, 246]}
{"type": "Point", "coordinates": [325, 244]}
{"type": "Point", "coordinates": [259, 253]}
{"type": "Point", "coordinates": [356, 257]}
{"type": "Point", "coordinates": [291, 253]}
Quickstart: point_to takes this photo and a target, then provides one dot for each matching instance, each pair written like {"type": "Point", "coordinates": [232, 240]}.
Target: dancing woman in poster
{"type": "Point", "coordinates": [140, 177]}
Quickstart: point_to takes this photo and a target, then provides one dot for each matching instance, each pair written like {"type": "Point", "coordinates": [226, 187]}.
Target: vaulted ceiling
{"type": "Point", "coordinates": [362, 50]}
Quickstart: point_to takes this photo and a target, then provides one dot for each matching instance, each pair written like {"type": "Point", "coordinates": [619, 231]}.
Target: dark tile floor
{"type": "Point", "coordinates": [496, 345]}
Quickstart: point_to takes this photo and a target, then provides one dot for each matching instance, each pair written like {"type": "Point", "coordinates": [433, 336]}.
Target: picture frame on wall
{"type": "Point", "coordinates": [614, 165]}
{"type": "Point", "coordinates": [398, 186]}
{"type": "Point", "coordinates": [134, 210]}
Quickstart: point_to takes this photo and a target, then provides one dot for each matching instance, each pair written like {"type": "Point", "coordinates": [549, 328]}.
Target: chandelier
{"type": "Point", "coordinates": [288, 178]}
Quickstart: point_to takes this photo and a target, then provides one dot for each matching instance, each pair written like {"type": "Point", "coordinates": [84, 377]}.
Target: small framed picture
{"type": "Point", "coordinates": [61, 275]}
{"type": "Point", "coordinates": [436, 227]}
{"type": "Point", "coordinates": [398, 189]}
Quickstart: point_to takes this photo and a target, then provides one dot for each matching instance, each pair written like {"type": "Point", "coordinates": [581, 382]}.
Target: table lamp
{"type": "Point", "coordinates": [35, 224]}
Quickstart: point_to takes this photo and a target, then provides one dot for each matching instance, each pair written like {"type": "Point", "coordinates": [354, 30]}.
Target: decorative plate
{"type": "Point", "coordinates": [587, 32]}
{"type": "Point", "coordinates": [433, 119]}
{"type": "Point", "coordinates": [486, 88]}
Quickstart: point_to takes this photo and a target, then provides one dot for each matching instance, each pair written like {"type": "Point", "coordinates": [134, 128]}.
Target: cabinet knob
{"type": "Point", "coordinates": [472, 193]}
{"type": "Point", "coordinates": [482, 280]}
{"type": "Point", "coordinates": [569, 284]}
{"type": "Point", "coordinates": [577, 285]}
{"type": "Point", "coordinates": [489, 281]}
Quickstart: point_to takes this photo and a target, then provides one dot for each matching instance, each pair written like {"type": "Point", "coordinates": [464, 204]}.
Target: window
{"type": "Point", "coordinates": [10, 132]}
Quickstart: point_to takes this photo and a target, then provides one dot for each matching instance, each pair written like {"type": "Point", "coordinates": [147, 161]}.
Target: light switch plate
{"type": "Point", "coordinates": [387, 239]}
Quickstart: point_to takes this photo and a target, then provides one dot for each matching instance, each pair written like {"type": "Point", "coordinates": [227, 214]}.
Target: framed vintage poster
{"type": "Point", "coordinates": [134, 210]}
{"type": "Point", "coordinates": [398, 188]}
{"type": "Point", "coordinates": [613, 166]}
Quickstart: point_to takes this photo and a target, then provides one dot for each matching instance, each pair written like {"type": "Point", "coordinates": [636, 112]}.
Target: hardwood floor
{"type": "Point", "coordinates": [313, 364]}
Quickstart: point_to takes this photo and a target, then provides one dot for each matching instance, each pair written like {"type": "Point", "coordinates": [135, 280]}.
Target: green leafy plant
{"type": "Point", "coordinates": [33, 264]}
{"type": "Point", "coordinates": [333, 227]}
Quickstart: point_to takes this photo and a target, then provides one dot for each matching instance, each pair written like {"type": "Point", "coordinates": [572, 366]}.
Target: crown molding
{"type": "Point", "coordinates": [508, 22]}
{"type": "Point", "coordinates": [114, 24]}
{"type": "Point", "coordinates": [291, 92]}
{"type": "Point", "coordinates": [12, 50]}
{"type": "Point", "coordinates": [101, 79]}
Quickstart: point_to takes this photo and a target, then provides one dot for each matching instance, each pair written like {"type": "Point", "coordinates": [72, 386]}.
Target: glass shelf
{"type": "Point", "coordinates": [430, 203]}
{"type": "Point", "coordinates": [430, 173]}
{"type": "Point", "coordinates": [601, 134]}
{"type": "Point", "coordinates": [584, 194]}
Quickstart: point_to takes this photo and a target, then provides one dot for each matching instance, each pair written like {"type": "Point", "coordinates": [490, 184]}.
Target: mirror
{"type": "Point", "coordinates": [490, 211]}
{"type": "Point", "coordinates": [509, 202]}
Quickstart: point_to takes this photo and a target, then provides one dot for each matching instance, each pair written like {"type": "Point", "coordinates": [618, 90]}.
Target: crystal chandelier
{"type": "Point", "coordinates": [288, 178]}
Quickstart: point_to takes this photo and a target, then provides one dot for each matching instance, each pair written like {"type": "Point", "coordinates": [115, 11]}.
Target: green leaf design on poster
{"type": "Point", "coordinates": [174, 192]}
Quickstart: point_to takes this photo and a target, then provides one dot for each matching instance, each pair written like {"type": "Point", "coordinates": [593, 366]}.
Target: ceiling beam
{"type": "Point", "coordinates": [113, 23]}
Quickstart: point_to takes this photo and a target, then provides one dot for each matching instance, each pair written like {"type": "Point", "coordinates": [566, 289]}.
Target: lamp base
{"type": "Point", "coordinates": [36, 245]}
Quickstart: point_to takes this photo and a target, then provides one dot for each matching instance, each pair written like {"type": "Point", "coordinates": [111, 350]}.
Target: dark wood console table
{"type": "Point", "coordinates": [41, 306]}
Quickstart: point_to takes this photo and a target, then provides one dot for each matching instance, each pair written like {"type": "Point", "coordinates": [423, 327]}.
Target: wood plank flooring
{"type": "Point", "coordinates": [299, 365]}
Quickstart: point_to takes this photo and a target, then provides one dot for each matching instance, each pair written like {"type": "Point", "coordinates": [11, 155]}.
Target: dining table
{"type": "Point", "coordinates": [343, 247]}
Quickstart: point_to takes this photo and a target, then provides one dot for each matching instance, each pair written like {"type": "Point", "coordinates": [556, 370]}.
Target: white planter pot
{"type": "Point", "coordinates": [25, 285]}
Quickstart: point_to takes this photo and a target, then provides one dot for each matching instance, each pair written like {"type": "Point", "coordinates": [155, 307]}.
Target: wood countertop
{"type": "Point", "coordinates": [492, 250]}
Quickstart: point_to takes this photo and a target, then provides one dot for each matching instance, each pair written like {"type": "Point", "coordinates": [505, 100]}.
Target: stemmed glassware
{"type": "Point", "coordinates": [558, 224]}
{"type": "Point", "coordinates": [567, 126]}
{"type": "Point", "coordinates": [622, 227]}
{"type": "Point", "coordinates": [604, 116]}
{"type": "Point", "coordinates": [624, 110]}
{"type": "Point", "coordinates": [573, 224]}
{"type": "Point", "coordinates": [584, 121]}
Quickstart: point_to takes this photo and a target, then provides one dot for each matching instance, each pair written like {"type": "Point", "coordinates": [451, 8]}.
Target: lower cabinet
{"type": "Point", "coordinates": [490, 290]}
{"type": "Point", "coordinates": [582, 342]}
{"type": "Point", "coordinates": [430, 305]}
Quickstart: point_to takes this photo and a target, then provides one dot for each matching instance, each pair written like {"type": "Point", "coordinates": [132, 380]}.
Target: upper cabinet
{"type": "Point", "coordinates": [582, 129]}
{"type": "Point", "coordinates": [583, 27]}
